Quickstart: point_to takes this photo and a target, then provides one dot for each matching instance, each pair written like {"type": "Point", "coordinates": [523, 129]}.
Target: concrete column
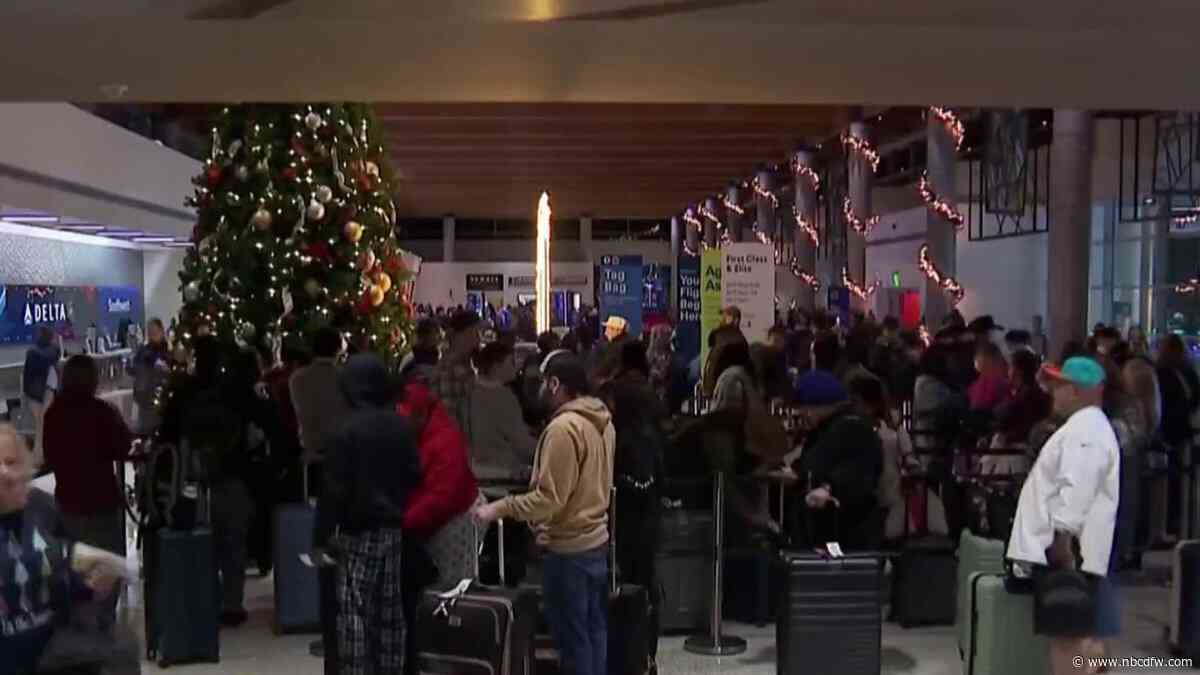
{"type": "Point", "coordinates": [1070, 228]}
{"type": "Point", "coordinates": [806, 208]}
{"type": "Point", "coordinates": [676, 237]}
{"type": "Point", "coordinates": [941, 155]}
{"type": "Point", "coordinates": [585, 237]}
{"type": "Point", "coordinates": [710, 228]}
{"type": "Point", "coordinates": [691, 233]}
{"type": "Point", "coordinates": [448, 238]}
{"type": "Point", "coordinates": [764, 210]}
{"type": "Point", "coordinates": [734, 221]}
{"type": "Point", "coordinates": [860, 177]}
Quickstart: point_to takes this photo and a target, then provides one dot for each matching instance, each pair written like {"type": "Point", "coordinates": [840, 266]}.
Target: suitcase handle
{"type": "Point", "coordinates": [613, 587]}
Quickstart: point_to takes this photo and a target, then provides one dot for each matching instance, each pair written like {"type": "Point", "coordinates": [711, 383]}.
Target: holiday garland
{"type": "Point", "coordinates": [938, 205]}
{"type": "Point", "coordinates": [947, 283]}
{"type": "Point", "coordinates": [861, 292]}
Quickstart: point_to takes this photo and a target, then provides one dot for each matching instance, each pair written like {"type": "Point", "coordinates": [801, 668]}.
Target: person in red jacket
{"type": "Point", "coordinates": [438, 527]}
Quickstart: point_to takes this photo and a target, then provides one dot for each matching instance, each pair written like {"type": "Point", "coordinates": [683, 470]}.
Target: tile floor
{"type": "Point", "coordinates": [253, 650]}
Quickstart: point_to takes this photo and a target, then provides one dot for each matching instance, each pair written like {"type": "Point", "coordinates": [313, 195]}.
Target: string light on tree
{"type": "Point", "coordinates": [863, 227]}
{"type": "Point", "coordinates": [862, 293]}
{"type": "Point", "coordinates": [542, 270]}
{"type": "Point", "coordinates": [938, 205]}
{"type": "Point", "coordinates": [806, 171]}
{"type": "Point", "coordinates": [805, 276]}
{"type": "Point", "coordinates": [947, 283]}
{"type": "Point", "coordinates": [1188, 287]}
{"type": "Point", "coordinates": [952, 123]}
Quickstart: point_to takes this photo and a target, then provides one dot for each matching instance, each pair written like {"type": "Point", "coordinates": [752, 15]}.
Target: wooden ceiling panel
{"type": "Point", "coordinates": [605, 160]}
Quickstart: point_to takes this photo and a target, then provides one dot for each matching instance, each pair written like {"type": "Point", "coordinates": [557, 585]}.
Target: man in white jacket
{"type": "Point", "coordinates": [1068, 506]}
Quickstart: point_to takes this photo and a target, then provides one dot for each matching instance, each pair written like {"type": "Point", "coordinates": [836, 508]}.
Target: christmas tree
{"type": "Point", "coordinates": [296, 230]}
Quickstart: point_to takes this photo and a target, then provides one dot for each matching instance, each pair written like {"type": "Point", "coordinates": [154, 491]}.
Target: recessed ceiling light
{"type": "Point", "coordinates": [82, 228]}
{"type": "Point", "coordinates": [31, 220]}
{"type": "Point", "coordinates": [153, 240]}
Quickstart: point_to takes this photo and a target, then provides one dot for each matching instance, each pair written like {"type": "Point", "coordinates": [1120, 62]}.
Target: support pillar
{"type": "Point", "coordinates": [448, 238]}
{"type": "Point", "coordinates": [806, 210]}
{"type": "Point", "coordinates": [692, 233]}
{"type": "Point", "coordinates": [734, 221]}
{"type": "Point", "coordinates": [860, 177]}
{"type": "Point", "coordinates": [764, 219]}
{"type": "Point", "coordinates": [1070, 228]}
{"type": "Point", "coordinates": [710, 228]}
{"type": "Point", "coordinates": [940, 235]}
{"type": "Point", "coordinates": [585, 237]}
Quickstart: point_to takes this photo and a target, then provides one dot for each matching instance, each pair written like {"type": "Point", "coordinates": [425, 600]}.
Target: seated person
{"type": "Point", "coordinates": [43, 573]}
{"type": "Point", "coordinates": [840, 467]}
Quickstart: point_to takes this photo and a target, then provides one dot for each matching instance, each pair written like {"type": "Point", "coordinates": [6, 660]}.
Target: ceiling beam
{"type": "Point", "coordinates": [237, 9]}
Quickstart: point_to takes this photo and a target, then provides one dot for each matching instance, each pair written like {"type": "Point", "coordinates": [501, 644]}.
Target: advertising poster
{"type": "Point", "coordinates": [70, 310]}
{"type": "Point", "coordinates": [749, 284]}
{"type": "Point", "coordinates": [711, 298]}
{"type": "Point", "coordinates": [620, 289]}
{"type": "Point", "coordinates": [687, 334]}
{"type": "Point", "coordinates": [656, 292]}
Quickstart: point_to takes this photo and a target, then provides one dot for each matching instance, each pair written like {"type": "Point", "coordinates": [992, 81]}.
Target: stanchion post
{"type": "Point", "coordinates": [713, 643]}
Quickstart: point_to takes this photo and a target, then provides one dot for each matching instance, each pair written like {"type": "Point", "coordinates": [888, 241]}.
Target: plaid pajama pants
{"type": "Point", "coordinates": [370, 617]}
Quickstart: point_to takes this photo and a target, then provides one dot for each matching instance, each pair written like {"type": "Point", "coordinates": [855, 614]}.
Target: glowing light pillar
{"type": "Point", "coordinates": [542, 284]}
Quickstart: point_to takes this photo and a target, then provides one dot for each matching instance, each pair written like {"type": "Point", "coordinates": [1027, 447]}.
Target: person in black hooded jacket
{"type": "Point", "coordinates": [371, 468]}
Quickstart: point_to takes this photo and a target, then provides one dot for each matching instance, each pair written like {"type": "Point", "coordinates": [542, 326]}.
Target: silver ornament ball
{"type": "Point", "coordinates": [261, 219]}
{"type": "Point", "coordinates": [242, 173]}
{"type": "Point", "coordinates": [324, 194]}
{"type": "Point", "coordinates": [315, 211]}
{"type": "Point", "coordinates": [249, 331]}
{"type": "Point", "coordinates": [191, 292]}
{"type": "Point", "coordinates": [313, 121]}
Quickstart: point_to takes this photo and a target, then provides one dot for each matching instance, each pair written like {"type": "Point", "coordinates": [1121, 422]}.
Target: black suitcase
{"type": "Point", "coordinates": [685, 591]}
{"type": "Point", "coordinates": [1184, 630]}
{"type": "Point", "coordinates": [830, 621]}
{"type": "Point", "coordinates": [183, 590]}
{"type": "Point", "coordinates": [751, 583]}
{"type": "Point", "coordinates": [297, 594]}
{"type": "Point", "coordinates": [473, 629]}
{"type": "Point", "coordinates": [923, 583]}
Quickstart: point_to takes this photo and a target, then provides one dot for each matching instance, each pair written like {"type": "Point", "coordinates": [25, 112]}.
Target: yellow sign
{"type": "Point", "coordinates": [711, 297]}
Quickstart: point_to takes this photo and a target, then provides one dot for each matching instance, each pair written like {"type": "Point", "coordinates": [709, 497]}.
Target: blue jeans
{"type": "Point", "coordinates": [576, 594]}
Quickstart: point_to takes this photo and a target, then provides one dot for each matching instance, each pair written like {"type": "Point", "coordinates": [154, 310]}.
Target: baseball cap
{"type": "Point", "coordinates": [1080, 371]}
{"type": "Point", "coordinates": [819, 388]}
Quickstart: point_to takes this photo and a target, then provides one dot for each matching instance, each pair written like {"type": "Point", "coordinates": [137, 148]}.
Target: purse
{"type": "Point", "coordinates": [1064, 604]}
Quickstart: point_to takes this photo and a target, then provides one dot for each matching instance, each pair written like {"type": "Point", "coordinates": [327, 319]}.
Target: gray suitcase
{"type": "Point", "coordinates": [297, 592]}
{"type": "Point", "coordinates": [1002, 641]}
{"type": "Point", "coordinates": [830, 621]}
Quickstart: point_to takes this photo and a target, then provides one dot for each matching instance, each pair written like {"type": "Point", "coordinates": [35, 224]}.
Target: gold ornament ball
{"type": "Point", "coordinates": [312, 288]}
{"type": "Point", "coordinates": [377, 295]}
{"type": "Point", "coordinates": [353, 231]}
{"type": "Point", "coordinates": [382, 280]}
{"type": "Point", "coordinates": [261, 220]}
{"type": "Point", "coordinates": [372, 169]}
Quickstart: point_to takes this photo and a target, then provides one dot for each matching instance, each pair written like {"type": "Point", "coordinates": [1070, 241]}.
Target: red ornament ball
{"type": "Point", "coordinates": [290, 173]}
{"type": "Point", "coordinates": [364, 305]}
{"type": "Point", "coordinates": [213, 175]}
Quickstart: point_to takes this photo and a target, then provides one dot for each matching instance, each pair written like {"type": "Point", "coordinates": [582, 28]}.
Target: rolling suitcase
{"type": "Point", "coordinates": [297, 593]}
{"type": "Point", "coordinates": [184, 591]}
{"type": "Point", "coordinates": [1184, 629]}
{"type": "Point", "coordinates": [1001, 640]}
{"type": "Point", "coordinates": [473, 629]}
{"type": "Point", "coordinates": [830, 619]}
{"type": "Point", "coordinates": [975, 554]}
{"type": "Point", "coordinates": [923, 588]}
{"type": "Point", "coordinates": [684, 566]}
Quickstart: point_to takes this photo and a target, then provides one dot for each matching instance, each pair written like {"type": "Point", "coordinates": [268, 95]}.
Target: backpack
{"type": "Point", "coordinates": [212, 434]}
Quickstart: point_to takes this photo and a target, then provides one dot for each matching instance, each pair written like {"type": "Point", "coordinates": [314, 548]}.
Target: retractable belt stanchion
{"type": "Point", "coordinates": [713, 643]}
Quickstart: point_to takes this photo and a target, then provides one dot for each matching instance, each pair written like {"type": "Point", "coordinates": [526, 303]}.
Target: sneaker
{"type": "Point", "coordinates": [232, 618]}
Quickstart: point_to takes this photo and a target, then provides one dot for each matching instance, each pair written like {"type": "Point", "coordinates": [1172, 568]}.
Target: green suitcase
{"type": "Point", "coordinates": [975, 554]}
{"type": "Point", "coordinates": [1002, 640]}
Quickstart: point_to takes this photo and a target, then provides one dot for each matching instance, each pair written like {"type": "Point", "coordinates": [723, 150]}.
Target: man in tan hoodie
{"type": "Point", "coordinates": [568, 506]}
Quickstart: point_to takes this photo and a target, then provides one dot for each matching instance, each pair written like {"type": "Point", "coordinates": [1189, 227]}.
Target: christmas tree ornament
{"type": "Point", "coordinates": [322, 151]}
{"type": "Point", "coordinates": [315, 210]}
{"type": "Point", "coordinates": [383, 281]}
{"type": "Point", "coordinates": [395, 265]}
{"type": "Point", "coordinates": [242, 173]}
{"type": "Point", "coordinates": [261, 220]}
{"type": "Point", "coordinates": [323, 193]}
{"type": "Point", "coordinates": [213, 175]}
{"type": "Point", "coordinates": [313, 121]}
{"type": "Point", "coordinates": [364, 303]}
{"type": "Point", "coordinates": [191, 292]}
{"type": "Point", "coordinates": [353, 231]}
{"type": "Point", "coordinates": [312, 287]}
{"type": "Point", "coordinates": [248, 331]}
{"type": "Point", "coordinates": [366, 261]}
{"type": "Point", "coordinates": [233, 198]}
{"type": "Point", "coordinates": [290, 173]}
{"type": "Point", "coordinates": [263, 166]}
{"type": "Point", "coordinates": [377, 295]}
{"type": "Point", "coordinates": [372, 169]}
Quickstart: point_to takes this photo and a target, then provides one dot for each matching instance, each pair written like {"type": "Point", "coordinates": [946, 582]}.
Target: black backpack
{"type": "Point", "coordinates": [212, 433]}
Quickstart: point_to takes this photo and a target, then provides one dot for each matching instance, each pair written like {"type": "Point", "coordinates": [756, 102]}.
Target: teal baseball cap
{"type": "Point", "coordinates": [1080, 371]}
